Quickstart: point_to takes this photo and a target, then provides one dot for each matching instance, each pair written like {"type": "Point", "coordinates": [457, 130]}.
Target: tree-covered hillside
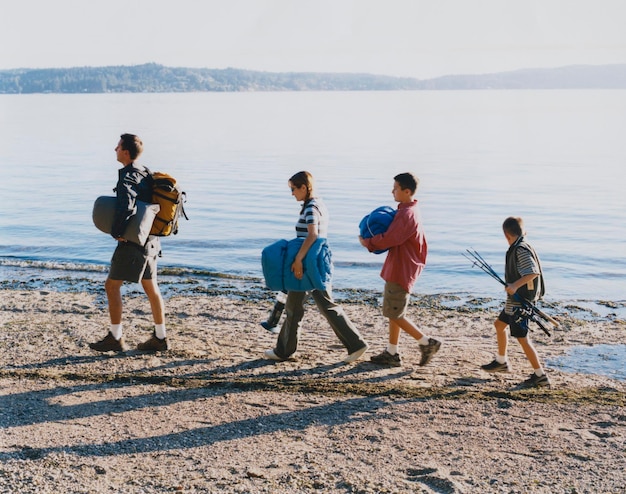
{"type": "Point", "coordinates": [153, 78]}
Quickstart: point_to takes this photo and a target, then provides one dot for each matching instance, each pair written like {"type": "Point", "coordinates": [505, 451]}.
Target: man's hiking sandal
{"type": "Point", "coordinates": [109, 344]}
{"type": "Point", "coordinates": [154, 344]}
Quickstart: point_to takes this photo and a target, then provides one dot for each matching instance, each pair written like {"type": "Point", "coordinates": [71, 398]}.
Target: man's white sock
{"type": "Point", "coordinates": [159, 331]}
{"type": "Point", "coordinates": [392, 349]}
{"type": "Point", "coordinates": [116, 331]}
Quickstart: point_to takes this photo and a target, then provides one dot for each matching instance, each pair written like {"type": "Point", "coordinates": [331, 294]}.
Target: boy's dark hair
{"type": "Point", "coordinates": [303, 178]}
{"type": "Point", "coordinates": [132, 144]}
{"type": "Point", "coordinates": [407, 181]}
{"type": "Point", "coordinates": [513, 226]}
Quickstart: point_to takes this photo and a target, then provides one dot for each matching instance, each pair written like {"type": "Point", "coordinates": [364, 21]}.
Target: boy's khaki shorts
{"type": "Point", "coordinates": [395, 301]}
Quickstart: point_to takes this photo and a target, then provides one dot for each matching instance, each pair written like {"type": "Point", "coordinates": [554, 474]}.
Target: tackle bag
{"type": "Point", "coordinates": [171, 201]}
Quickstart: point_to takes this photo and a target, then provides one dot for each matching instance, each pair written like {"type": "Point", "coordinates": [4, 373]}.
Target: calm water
{"type": "Point", "coordinates": [602, 359]}
{"type": "Point", "coordinates": [555, 158]}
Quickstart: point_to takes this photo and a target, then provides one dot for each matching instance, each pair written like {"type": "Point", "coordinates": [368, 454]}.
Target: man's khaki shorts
{"type": "Point", "coordinates": [395, 301]}
{"type": "Point", "coordinates": [133, 263]}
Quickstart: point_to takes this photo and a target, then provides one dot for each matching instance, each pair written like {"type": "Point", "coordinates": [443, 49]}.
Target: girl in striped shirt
{"type": "Point", "coordinates": [311, 225]}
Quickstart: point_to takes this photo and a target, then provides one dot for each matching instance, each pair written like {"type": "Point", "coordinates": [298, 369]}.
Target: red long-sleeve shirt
{"type": "Point", "coordinates": [407, 246]}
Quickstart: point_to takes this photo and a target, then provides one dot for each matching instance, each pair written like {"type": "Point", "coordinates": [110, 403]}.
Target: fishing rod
{"type": "Point", "coordinates": [479, 261]}
{"type": "Point", "coordinates": [528, 310]}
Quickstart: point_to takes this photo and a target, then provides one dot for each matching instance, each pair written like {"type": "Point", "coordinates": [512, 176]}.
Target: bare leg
{"type": "Point", "coordinates": [531, 353]}
{"type": "Point", "coordinates": [114, 297]}
{"type": "Point", "coordinates": [501, 336]}
{"type": "Point", "coordinates": [151, 288]}
{"type": "Point", "coordinates": [394, 332]}
{"type": "Point", "coordinates": [395, 325]}
{"type": "Point", "coordinates": [113, 341]}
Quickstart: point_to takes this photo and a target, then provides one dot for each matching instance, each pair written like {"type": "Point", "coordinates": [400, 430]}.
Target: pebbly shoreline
{"type": "Point", "coordinates": [212, 416]}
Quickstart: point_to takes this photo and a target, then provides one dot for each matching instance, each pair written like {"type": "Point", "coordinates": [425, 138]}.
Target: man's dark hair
{"type": "Point", "coordinates": [407, 181]}
{"type": "Point", "coordinates": [132, 144]}
{"type": "Point", "coordinates": [513, 226]}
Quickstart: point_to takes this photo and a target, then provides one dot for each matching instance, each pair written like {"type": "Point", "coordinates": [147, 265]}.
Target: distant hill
{"type": "Point", "coordinates": [154, 78]}
{"type": "Point", "coordinates": [570, 77]}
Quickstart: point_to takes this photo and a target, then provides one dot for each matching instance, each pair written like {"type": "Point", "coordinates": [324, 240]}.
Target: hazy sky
{"type": "Point", "coordinates": [416, 38]}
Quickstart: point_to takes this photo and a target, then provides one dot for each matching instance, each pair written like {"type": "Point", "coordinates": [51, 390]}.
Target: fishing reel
{"type": "Point", "coordinates": [521, 313]}
{"type": "Point", "coordinates": [527, 313]}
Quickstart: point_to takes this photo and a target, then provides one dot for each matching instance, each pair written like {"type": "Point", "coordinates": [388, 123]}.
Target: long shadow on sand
{"type": "Point", "coordinates": [42, 406]}
{"type": "Point", "coordinates": [336, 413]}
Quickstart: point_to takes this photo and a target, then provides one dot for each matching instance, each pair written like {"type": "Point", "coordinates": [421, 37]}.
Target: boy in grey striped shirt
{"type": "Point", "coordinates": [523, 277]}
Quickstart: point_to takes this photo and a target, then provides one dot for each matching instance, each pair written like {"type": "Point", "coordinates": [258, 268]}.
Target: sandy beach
{"type": "Point", "coordinates": [212, 416]}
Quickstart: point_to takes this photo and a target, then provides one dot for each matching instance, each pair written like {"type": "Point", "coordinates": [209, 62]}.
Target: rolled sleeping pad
{"type": "Point", "coordinates": [138, 227]}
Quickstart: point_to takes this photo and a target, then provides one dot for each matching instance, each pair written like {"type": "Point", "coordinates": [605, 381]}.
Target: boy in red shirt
{"type": "Point", "coordinates": [405, 260]}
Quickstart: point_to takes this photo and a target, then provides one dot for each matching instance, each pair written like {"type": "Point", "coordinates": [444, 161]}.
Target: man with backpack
{"type": "Point", "coordinates": [130, 261]}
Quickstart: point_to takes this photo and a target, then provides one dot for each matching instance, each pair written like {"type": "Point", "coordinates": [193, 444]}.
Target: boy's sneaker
{"type": "Point", "coordinates": [154, 344]}
{"type": "Point", "coordinates": [385, 358]}
{"type": "Point", "coordinates": [496, 366]}
{"type": "Point", "coordinates": [429, 350]}
{"type": "Point", "coordinates": [535, 381]}
{"type": "Point", "coordinates": [354, 356]}
{"type": "Point", "coordinates": [109, 344]}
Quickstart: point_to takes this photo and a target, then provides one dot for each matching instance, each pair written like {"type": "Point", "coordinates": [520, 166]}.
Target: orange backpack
{"type": "Point", "coordinates": [171, 199]}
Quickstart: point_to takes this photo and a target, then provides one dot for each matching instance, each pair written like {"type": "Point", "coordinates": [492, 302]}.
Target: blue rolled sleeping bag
{"type": "Point", "coordinates": [377, 222]}
{"type": "Point", "coordinates": [277, 258]}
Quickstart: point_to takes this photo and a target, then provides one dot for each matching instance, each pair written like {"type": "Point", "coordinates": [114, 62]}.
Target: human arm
{"type": "Point", "coordinates": [402, 228]}
{"type": "Point", "coordinates": [131, 186]}
{"type": "Point", "coordinates": [296, 266]}
{"type": "Point", "coordinates": [125, 205]}
{"type": "Point", "coordinates": [511, 288]}
{"type": "Point", "coordinates": [525, 274]}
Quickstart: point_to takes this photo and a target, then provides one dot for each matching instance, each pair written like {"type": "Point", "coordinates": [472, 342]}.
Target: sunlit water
{"type": "Point", "coordinates": [553, 157]}
{"type": "Point", "coordinates": [602, 359]}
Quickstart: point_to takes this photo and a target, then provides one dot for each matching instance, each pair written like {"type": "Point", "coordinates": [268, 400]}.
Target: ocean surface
{"type": "Point", "coordinates": [556, 158]}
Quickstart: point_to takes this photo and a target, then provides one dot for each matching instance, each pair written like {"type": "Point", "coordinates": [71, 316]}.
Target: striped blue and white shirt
{"type": "Point", "coordinates": [313, 212]}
